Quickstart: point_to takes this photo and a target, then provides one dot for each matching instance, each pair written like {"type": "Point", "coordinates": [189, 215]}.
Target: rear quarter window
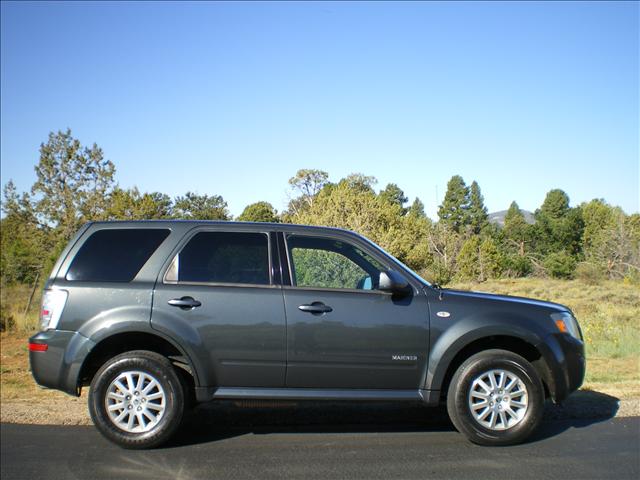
{"type": "Point", "coordinates": [115, 255]}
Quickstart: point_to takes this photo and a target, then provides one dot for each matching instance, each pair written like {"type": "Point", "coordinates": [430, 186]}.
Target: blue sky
{"type": "Point", "coordinates": [233, 98]}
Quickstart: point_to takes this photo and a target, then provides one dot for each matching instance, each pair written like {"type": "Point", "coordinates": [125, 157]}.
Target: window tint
{"type": "Point", "coordinates": [327, 263]}
{"type": "Point", "coordinates": [225, 257]}
{"type": "Point", "coordinates": [115, 255]}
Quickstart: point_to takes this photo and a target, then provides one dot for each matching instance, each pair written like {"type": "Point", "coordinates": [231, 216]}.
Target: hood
{"type": "Point", "coordinates": [505, 298]}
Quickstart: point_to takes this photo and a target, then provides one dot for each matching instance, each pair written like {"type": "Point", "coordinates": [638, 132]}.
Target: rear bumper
{"type": "Point", "coordinates": [59, 365]}
{"type": "Point", "coordinates": [565, 364]}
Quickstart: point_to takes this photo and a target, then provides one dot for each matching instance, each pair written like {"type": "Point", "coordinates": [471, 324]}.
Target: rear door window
{"type": "Point", "coordinates": [223, 257]}
{"type": "Point", "coordinates": [115, 255]}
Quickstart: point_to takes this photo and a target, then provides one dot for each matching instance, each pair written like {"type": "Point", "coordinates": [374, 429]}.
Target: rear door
{"type": "Point", "coordinates": [344, 333]}
{"type": "Point", "coordinates": [219, 294]}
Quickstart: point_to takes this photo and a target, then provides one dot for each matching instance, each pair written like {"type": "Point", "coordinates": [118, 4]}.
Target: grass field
{"type": "Point", "coordinates": [608, 313]}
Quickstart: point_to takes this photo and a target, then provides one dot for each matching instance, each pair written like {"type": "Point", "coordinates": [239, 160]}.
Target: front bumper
{"type": "Point", "coordinates": [565, 364]}
{"type": "Point", "coordinates": [59, 366]}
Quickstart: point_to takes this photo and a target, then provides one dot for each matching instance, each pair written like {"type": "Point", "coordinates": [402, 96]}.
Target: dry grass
{"type": "Point", "coordinates": [13, 308]}
{"type": "Point", "coordinates": [22, 401]}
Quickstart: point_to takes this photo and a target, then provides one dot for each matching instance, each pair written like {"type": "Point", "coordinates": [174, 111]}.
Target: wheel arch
{"type": "Point", "coordinates": [121, 342]}
{"type": "Point", "coordinates": [442, 376]}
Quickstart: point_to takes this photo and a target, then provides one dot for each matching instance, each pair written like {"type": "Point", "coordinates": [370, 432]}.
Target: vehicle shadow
{"type": "Point", "coordinates": [220, 420]}
{"type": "Point", "coordinates": [581, 409]}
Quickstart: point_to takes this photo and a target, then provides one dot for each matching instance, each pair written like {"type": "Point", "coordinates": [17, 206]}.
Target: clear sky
{"type": "Point", "coordinates": [233, 98]}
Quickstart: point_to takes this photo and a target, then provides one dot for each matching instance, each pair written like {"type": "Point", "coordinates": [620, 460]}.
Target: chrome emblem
{"type": "Point", "coordinates": [443, 314]}
{"type": "Point", "coordinates": [411, 358]}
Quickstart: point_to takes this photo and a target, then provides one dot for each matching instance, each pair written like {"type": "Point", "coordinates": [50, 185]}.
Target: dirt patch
{"type": "Point", "coordinates": [52, 411]}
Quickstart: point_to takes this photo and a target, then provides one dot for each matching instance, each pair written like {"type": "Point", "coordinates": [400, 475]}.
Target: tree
{"type": "Point", "coordinates": [200, 207]}
{"type": "Point", "coordinates": [444, 245]}
{"type": "Point", "coordinates": [515, 236]}
{"type": "Point", "coordinates": [558, 227]}
{"type": "Point", "coordinates": [352, 204]}
{"type": "Point", "coordinates": [360, 182]}
{"type": "Point", "coordinates": [259, 212]}
{"type": "Point", "coordinates": [516, 229]}
{"type": "Point", "coordinates": [392, 193]}
{"type": "Point", "coordinates": [23, 244]}
{"type": "Point", "coordinates": [479, 259]}
{"type": "Point", "coordinates": [453, 211]}
{"type": "Point", "coordinates": [610, 242]}
{"type": "Point", "coordinates": [308, 183]}
{"type": "Point", "coordinates": [131, 205]}
{"type": "Point", "coordinates": [477, 212]}
{"type": "Point", "coordinates": [467, 260]}
{"type": "Point", "coordinates": [73, 183]}
{"type": "Point", "coordinates": [489, 260]}
{"type": "Point", "coordinates": [417, 209]}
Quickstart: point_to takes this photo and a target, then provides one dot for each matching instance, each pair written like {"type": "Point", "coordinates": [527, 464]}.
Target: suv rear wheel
{"type": "Point", "coordinates": [136, 399]}
{"type": "Point", "coordinates": [496, 398]}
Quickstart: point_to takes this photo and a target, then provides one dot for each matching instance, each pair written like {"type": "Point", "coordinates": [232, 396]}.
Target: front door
{"type": "Point", "coordinates": [341, 331]}
{"type": "Point", "coordinates": [218, 295]}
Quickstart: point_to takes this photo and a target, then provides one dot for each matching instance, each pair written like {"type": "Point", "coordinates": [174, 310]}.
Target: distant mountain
{"type": "Point", "coordinates": [498, 217]}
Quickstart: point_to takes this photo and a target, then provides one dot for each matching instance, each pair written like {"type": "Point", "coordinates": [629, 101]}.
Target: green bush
{"type": "Point", "coordinates": [560, 265]}
{"type": "Point", "coordinates": [516, 266]}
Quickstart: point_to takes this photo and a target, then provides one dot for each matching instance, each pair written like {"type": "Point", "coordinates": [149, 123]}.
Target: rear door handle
{"type": "Point", "coordinates": [185, 303]}
{"type": "Point", "coordinates": [316, 308]}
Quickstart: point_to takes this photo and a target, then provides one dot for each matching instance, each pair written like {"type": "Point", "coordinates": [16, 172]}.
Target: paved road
{"type": "Point", "coordinates": [276, 444]}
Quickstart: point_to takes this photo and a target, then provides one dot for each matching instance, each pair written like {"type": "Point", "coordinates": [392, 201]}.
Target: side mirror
{"type": "Point", "coordinates": [392, 281]}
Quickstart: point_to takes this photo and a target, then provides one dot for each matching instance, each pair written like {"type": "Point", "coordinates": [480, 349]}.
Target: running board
{"type": "Point", "coordinates": [237, 393]}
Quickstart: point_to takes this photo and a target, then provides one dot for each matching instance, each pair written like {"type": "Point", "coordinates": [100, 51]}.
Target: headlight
{"type": "Point", "coordinates": [567, 323]}
{"type": "Point", "coordinates": [52, 305]}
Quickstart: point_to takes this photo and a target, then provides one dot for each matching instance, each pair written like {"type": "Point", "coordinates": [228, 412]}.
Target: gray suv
{"type": "Point", "coordinates": [158, 315]}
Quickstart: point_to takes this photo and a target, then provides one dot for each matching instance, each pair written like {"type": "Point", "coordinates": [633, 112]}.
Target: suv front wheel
{"type": "Point", "coordinates": [496, 398]}
{"type": "Point", "coordinates": [137, 400]}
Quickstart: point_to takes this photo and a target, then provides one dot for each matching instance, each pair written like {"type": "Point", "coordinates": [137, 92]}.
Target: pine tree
{"type": "Point", "coordinates": [454, 209]}
{"type": "Point", "coordinates": [417, 209]}
{"type": "Point", "coordinates": [394, 194]}
{"type": "Point", "coordinates": [558, 227]}
{"type": "Point", "coordinates": [477, 212]}
{"type": "Point", "coordinates": [516, 228]}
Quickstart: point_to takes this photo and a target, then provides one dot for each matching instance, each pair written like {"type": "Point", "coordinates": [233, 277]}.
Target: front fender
{"type": "Point", "coordinates": [448, 342]}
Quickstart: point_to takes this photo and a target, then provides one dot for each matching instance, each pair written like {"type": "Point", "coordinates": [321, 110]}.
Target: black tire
{"type": "Point", "coordinates": [460, 387]}
{"type": "Point", "coordinates": [149, 363]}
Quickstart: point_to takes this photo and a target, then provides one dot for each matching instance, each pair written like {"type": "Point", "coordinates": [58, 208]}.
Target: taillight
{"type": "Point", "coordinates": [53, 302]}
{"type": "Point", "coordinates": [38, 347]}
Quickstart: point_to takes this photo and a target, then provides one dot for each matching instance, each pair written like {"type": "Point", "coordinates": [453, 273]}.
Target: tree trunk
{"type": "Point", "coordinates": [33, 291]}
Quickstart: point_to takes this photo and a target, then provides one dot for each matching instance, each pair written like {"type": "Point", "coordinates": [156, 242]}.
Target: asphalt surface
{"type": "Point", "coordinates": [346, 442]}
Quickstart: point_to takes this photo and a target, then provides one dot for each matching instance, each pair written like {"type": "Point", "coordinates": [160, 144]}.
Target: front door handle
{"type": "Point", "coordinates": [316, 308]}
{"type": "Point", "coordinates": [185, 303]}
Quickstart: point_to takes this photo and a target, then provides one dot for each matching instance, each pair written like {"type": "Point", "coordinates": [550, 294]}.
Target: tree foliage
{"type": "Point", "coordinates": [72, 183]}
{"type": "Point", "coordinates": [392, 193]}
{"type": "Point", "coordinates": [259, 212]}
{"type": "Point", "coordinates": [200, 207]}
{"type": "Point", "coordinates": [478, 217]}
{"type": "Point", "coordinates": [75, 184]}
{"type": "Point", "coordinates": [454, 209]}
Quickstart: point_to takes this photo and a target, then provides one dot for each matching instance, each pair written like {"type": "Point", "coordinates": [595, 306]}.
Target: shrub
{"type": "Point", "coordinates": [590, 273]}
{"type": "Point", "coordinates": [560, 265]}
